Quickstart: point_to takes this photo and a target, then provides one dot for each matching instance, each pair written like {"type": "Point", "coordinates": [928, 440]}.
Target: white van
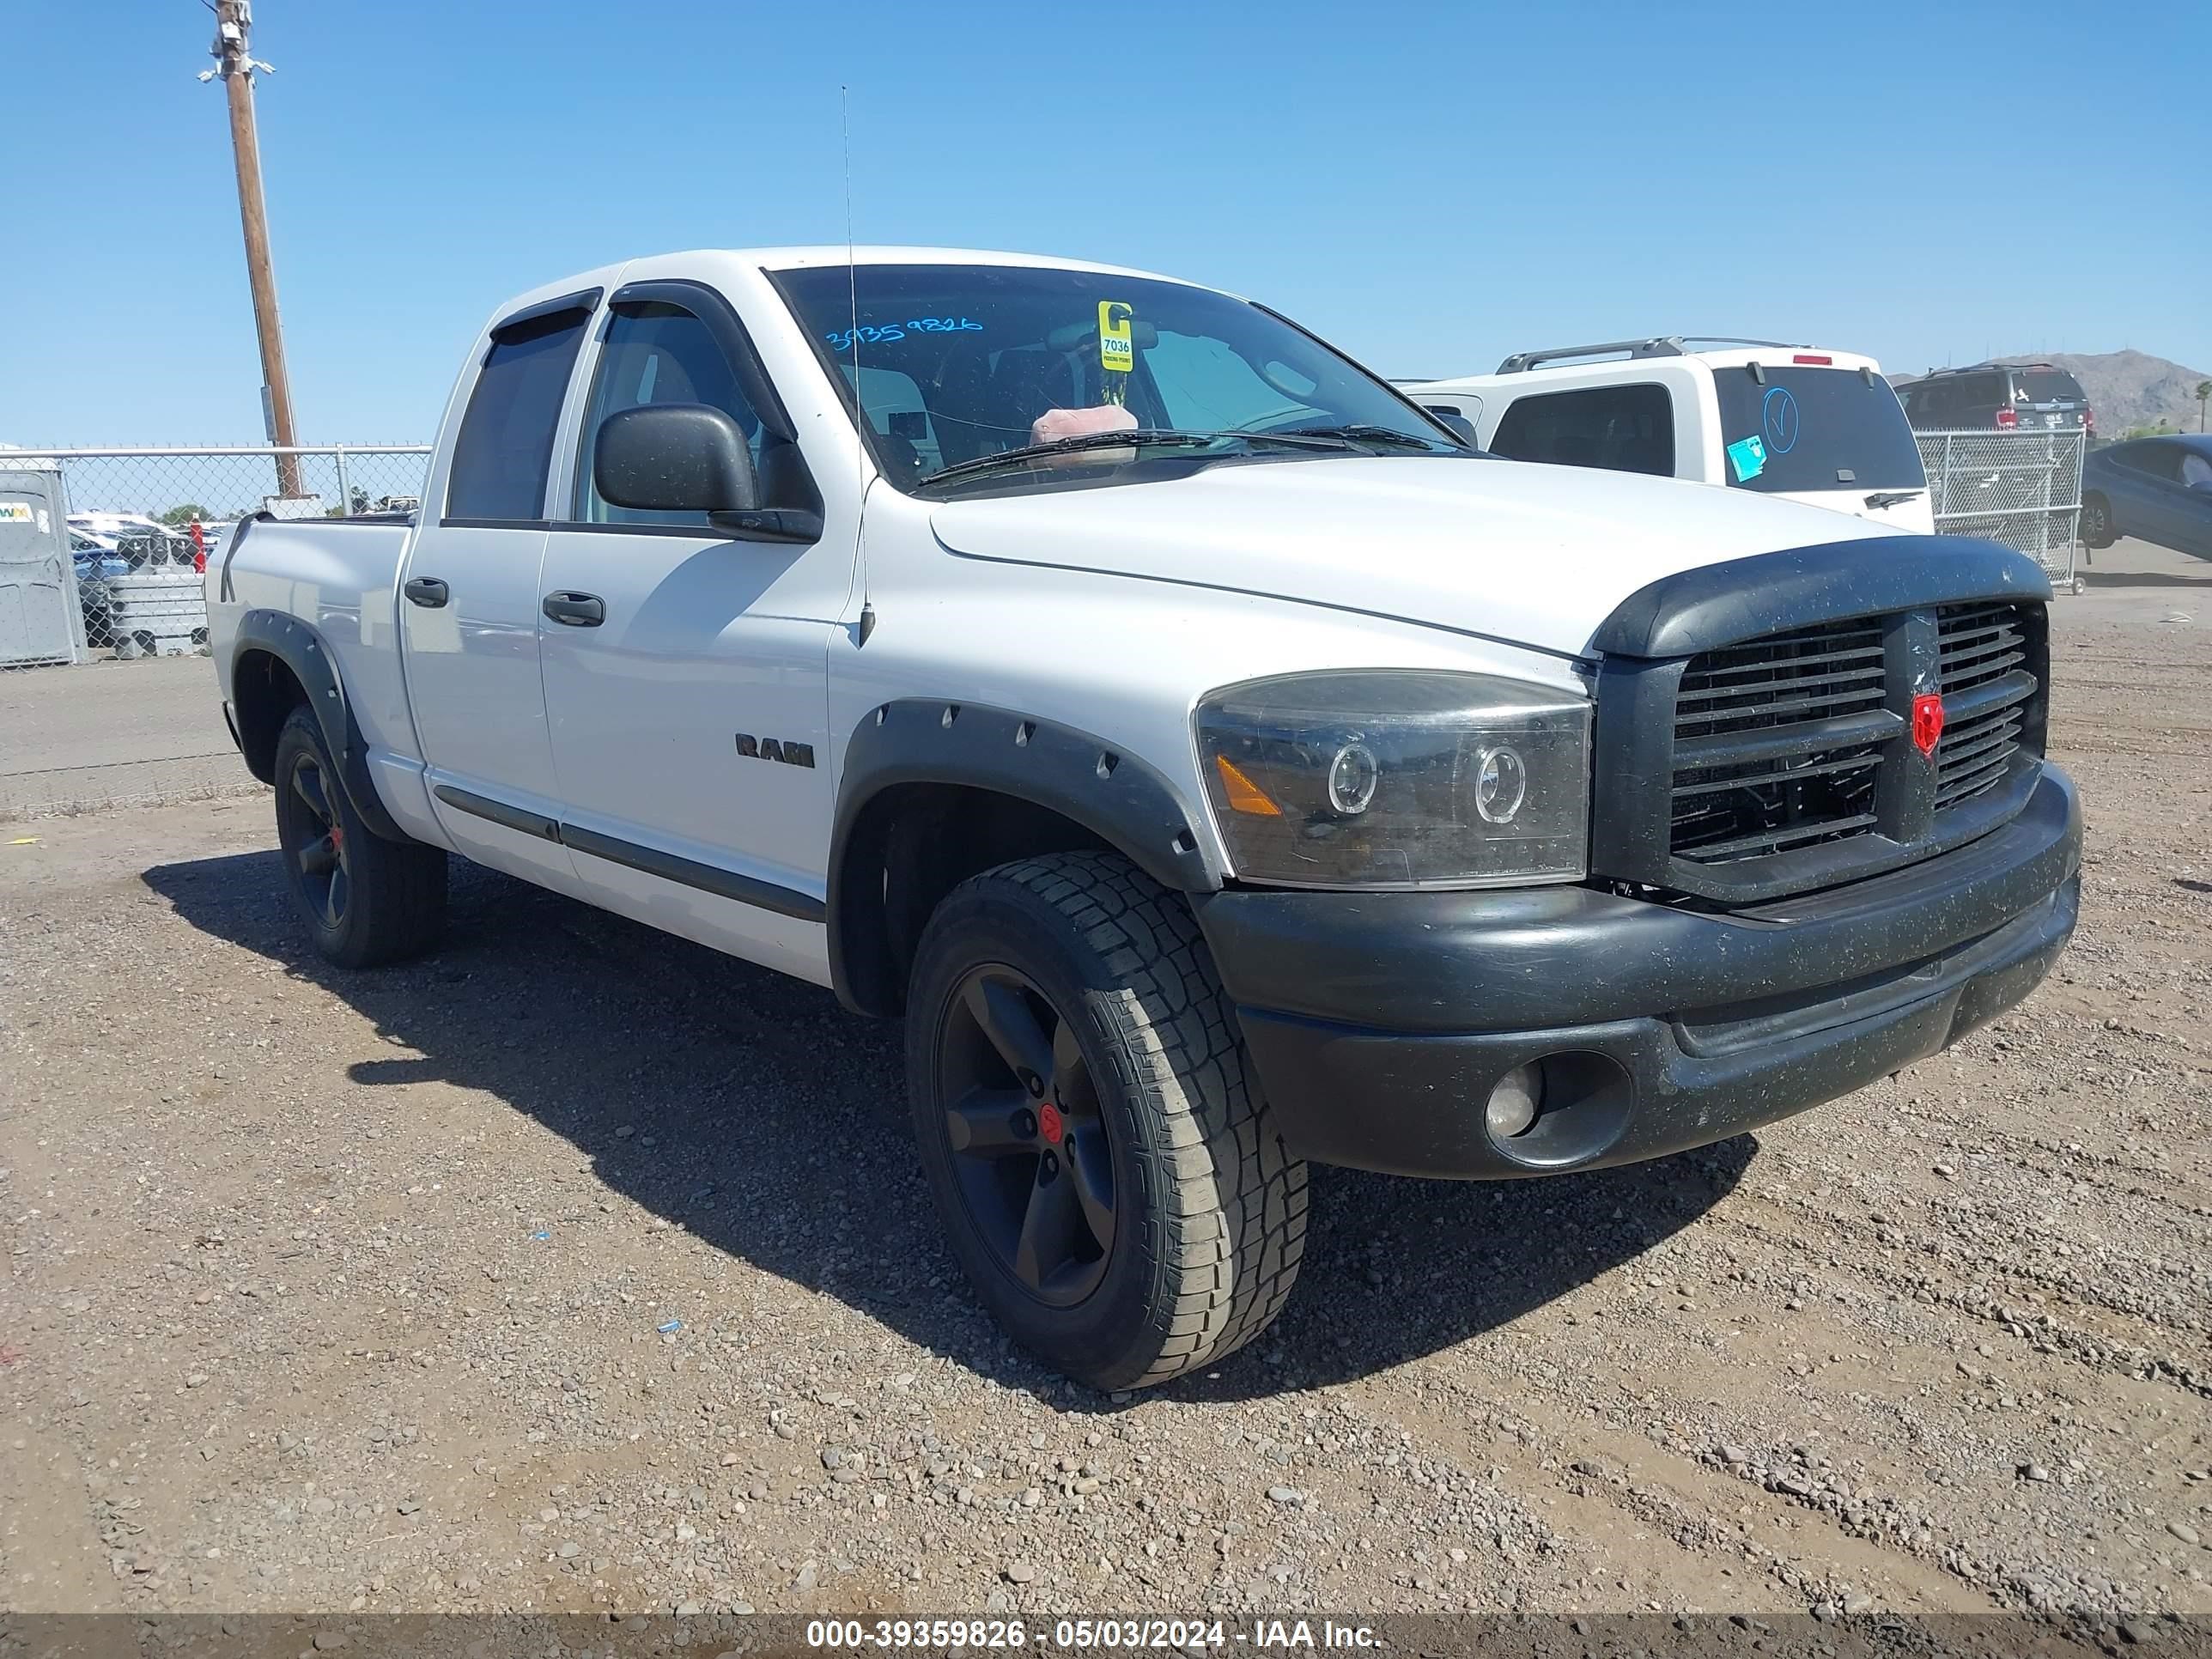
{"type": "Point", "coordinates": [1809, 425]}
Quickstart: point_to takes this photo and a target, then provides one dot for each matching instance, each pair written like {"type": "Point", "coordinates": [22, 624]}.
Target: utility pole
{"type": "Point", "coordinates": [236, 66]}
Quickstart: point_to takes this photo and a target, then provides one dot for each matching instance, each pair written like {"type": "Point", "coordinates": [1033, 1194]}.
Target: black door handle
{"type": "Point", "coordinates": [426, 590]}
{"type": "Point", "coordinates": [576, 609]}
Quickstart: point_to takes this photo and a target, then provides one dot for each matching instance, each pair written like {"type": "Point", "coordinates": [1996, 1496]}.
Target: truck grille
{"type": "Point", "coordinates": [1981, 647]}
{"type": "Point", "coordinates": [1766, 754]}
{"type": "Point", "coordinates": [1784, 742]}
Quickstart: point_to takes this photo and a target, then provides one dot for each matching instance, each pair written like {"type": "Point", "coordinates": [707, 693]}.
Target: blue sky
{"type": "Point", "coordinates": [1429, 186]}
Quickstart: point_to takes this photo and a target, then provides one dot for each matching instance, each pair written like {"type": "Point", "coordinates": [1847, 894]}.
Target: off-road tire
{"type": "Point", "coordinates": [395, 901]}
{"type": "Point", "coordinates": [1211, 1207]}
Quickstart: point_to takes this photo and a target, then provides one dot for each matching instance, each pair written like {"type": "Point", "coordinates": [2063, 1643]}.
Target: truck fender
{"type": "Point", "coordinates": [1122, 800]}
{"type": "Point", "coordinates": [305, 652]}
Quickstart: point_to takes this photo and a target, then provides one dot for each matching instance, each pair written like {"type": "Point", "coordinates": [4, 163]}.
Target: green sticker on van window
{"type": "Point", "coordinates": [1748, 457]}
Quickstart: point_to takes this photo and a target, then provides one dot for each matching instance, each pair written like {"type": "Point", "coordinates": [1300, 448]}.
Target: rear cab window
{"type": "Point", "coordinates": [1816, 429]}
{"type": "Point", "coordinates": [504, 446]}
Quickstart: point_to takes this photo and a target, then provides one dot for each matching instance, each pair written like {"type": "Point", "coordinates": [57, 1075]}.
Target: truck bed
{"type": "Point", "coordinates": [341, 577]}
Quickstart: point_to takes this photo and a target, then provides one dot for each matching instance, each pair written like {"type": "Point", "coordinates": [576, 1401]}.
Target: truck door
{"type": "Point", "coordinates": [686, 679]}
{"type": "Point", "coordinates": [469, 606]}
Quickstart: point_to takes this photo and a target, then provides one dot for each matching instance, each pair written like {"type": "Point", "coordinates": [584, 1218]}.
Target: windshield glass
{"type": "Point", "coordinates": [2044, 385]}
{"type": "Point", "coordinates": [1814, 428]}
{"type": "Point", "coordinates": [960, 363]}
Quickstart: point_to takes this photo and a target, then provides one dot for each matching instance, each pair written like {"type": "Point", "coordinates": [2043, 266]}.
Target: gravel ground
{"type": "Point", "coordinates": [577, 1268]}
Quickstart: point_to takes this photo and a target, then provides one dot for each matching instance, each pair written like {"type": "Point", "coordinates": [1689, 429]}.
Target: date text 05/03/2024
{"type": "Point", "coordinates": [1173, 1635]}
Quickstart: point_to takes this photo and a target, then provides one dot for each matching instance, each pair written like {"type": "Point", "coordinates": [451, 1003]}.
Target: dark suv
{"type": "Point", "coordinates": [2003, 396]}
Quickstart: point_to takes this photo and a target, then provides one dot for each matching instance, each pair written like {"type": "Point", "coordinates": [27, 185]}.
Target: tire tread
{"type": "Point", "coordinates": [1237, 1198]}
{"type": "Point", "coordinates": [399, 904]}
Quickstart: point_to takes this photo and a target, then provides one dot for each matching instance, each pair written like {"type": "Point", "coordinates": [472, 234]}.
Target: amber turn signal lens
{"type": "Point", "coordinates": [1244, 795]}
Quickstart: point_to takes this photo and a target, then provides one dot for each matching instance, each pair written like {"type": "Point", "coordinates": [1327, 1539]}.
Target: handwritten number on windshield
{"type": "Point", "coordinates": [840, 339]}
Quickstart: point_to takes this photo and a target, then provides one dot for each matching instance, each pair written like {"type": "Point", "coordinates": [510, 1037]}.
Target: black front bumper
{"type": "Point", "coordinates": [1379, 1023]}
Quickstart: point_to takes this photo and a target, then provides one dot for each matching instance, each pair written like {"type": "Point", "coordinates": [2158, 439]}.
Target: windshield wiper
{"type": "Point", "coordinates": [1140, 437]}
{"type": "Point", "coordinates": [1332, 438]}
{"type": "Point", "coordinates": [1360, 432]}
{"type": "Point", "coordinates": [1883, 498]}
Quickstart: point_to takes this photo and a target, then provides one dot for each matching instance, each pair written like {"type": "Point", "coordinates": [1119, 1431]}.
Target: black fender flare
{"type": "Point", "coordinates": [1125, 801]}
{"type": "Point", "coordinates": [305, 652]}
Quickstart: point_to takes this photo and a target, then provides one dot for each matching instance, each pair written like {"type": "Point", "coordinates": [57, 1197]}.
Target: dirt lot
{"type": "Point", "coordinates": [573, 1268]}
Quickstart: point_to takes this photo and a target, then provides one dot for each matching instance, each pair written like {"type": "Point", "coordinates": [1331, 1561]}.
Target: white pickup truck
{"type": "Point", "coordinates": [1218, 764]}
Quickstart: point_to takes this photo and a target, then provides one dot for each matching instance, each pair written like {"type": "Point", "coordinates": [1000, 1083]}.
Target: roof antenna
{"type": "Point", "coordinates": [853, 343]}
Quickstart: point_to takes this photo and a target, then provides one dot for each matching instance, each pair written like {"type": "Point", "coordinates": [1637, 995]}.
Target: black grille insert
{"type": "Point", "coordinates": [1782, 743]}
{"type": "Point", "coordinates": [1777, 741]}
{"type": "Point", "coordinates": [1987, 692]}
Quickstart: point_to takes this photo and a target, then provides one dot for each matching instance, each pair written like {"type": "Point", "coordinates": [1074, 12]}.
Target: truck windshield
{"type": "Point", "coordinates": [1815, 429]}
{"type": "Point", "coordinates": [956, 364]}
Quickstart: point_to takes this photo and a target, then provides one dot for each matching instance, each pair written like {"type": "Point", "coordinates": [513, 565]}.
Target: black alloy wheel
{"type": "Point", "coordinates": [315, 836]}
{"type": "Point", "coordinates": [1022, 1119]}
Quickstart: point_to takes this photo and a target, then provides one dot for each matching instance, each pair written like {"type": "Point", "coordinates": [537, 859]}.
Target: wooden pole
{"type": "Point", "coordinates": [234, 20]}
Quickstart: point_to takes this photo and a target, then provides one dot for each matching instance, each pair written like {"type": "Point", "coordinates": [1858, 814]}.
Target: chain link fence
{"type": "Point", "coordinates": [101, 557]}
{"type": "Point", "coordinates": [102, 550]}
{"type": "Point", "coordinates": [100, 562]}
{"type": "Point", "coordinates": [2021, 487]}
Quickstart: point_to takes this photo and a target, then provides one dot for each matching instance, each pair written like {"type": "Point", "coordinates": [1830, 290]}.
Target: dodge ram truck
{"type": "Point", "coordinates": [1218, 764]}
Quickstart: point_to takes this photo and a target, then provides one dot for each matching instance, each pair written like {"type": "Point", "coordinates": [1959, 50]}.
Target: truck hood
{"type": "Point", "coordinates": [1535, 555]}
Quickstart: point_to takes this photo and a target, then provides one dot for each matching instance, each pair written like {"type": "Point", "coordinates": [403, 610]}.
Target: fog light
{"type": "Point", "coordinates": [1514, 1101]}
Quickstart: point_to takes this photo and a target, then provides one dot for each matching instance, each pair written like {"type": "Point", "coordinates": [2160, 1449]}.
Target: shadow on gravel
{"type": "Point", "coordinates": [2091, 578]}
{"type": "Point", "coordinates": [753, 1111]}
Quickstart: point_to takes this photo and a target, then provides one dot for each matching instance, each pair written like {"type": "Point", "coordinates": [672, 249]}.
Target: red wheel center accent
{"type": "Point", "coordinates": [1049, 1122]}
{"type": "Point", "coordinates": [1927, 722]}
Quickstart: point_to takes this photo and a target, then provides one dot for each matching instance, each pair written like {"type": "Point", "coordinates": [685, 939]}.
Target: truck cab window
{"type": "Point", "coordinates": [506, 441]}
{"type": "Point", "coordinates": [656, 353]}
{"type": "Point", "coordinates": [1622, 429]}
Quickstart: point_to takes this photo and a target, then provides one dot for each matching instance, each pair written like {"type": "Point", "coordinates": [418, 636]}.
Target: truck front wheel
{"type": "Point", "coordinates": [1106, 1169]}
{"type": "Point", "coordinates": [365, 900]}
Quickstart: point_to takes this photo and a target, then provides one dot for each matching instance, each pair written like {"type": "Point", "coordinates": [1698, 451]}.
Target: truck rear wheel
{"type": "Point", "coordinates": [365, 900]}
{"type": "Point", "coordinates": [1106, 1169]}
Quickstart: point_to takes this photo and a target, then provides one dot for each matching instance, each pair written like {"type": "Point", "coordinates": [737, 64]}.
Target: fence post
{"type": "Point", "coordinates": [2043, 508]}
{"type": "Point", "coordinates": [345, 495]}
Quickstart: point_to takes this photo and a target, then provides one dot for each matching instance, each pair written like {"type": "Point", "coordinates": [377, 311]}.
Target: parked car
{"type": "Point", "coordinates": [95, 556]}
{"type": "Point", "coordinates": [2157, 488]}
{"type": "Point", "coordinates": [1816, 426]}
{"type": "Point", "coordinates": [2003, 396]}
{"type": "Point", "coordinates": [144, 543]}
{"type": "Point", "coordinates": [97, 560]}
{"type": "Point", "coordinates": [1217, 764]}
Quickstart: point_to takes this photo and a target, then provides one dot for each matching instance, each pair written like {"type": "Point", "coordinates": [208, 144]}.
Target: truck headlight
{"type": "Point", "coordinates": [1398, 778]}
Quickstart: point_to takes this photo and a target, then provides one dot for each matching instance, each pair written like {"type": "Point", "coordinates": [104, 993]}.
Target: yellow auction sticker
{"type": "Point", "coordinates": [1117, 354]}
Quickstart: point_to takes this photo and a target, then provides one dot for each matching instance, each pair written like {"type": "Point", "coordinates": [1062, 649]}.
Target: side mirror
{"type": "Point", "coordinates": [675, 458]}
{"type": "Point", "coordinates": [1458, 422]}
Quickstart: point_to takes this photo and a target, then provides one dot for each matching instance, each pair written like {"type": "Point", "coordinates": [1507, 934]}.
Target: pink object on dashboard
{"type": "Point", "coordinates": [1075, 423]}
